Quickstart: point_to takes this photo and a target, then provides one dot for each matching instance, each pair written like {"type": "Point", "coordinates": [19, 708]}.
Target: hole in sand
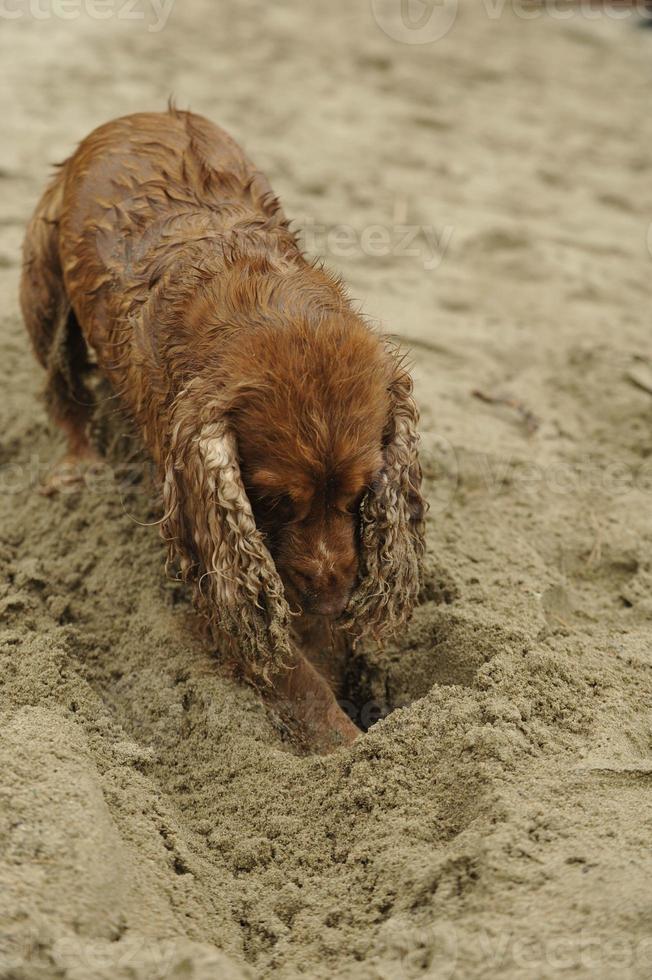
{"type": "Point", "coordinates": [441, 646]}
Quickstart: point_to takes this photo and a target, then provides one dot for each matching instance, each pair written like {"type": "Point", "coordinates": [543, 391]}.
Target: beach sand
{"type": "Point", "coordinates": [155, 820]}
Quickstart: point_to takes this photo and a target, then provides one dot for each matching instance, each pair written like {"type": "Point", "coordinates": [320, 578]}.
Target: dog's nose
{"type": "Point", "coordinates": [328, 605]}
{"type": "Point", "coordinates": [319, 594]}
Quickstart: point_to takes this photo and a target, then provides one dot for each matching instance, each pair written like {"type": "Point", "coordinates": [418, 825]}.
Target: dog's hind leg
{"type": "Point", "coordinates": [57, 340]}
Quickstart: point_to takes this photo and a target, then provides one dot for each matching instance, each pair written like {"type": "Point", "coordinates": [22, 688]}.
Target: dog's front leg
{"type": "Point", "coordinates": [309, 699]}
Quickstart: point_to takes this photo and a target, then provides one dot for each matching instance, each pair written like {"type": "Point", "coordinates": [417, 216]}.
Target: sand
{"type": "Point", "coordinates": [155, 820]}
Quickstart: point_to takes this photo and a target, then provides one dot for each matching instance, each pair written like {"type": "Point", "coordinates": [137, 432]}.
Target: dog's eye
{"type": "Point", "coordinates": [283, 509]}
{"type": "Point", "coordinates": [351, 506]}
{"type": "Point", "coordinates": [274, 510]}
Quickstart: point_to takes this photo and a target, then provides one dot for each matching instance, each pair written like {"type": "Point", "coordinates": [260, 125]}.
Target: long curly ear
{"type": "Point", "coordinates": [212, 536]}
{"type": "Point", "coordinates": [392, 525]}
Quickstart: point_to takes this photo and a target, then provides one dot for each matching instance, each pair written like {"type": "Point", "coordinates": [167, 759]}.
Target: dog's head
{"type": "Point", "coordinates": [306, 490]}
{"type": "Point", "coordinates": [304, 493]}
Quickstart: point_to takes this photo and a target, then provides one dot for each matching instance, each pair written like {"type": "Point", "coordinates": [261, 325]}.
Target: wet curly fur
{"type": "Point", "coordinates": [391, 526]}
{"type": "Point", "coordinates": [212, 536]}
{"type": "Point", "coordinates": [280, 423]}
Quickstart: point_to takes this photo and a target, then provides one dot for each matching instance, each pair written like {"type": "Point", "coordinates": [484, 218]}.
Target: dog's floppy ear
{"type": "Point", "coordinates": [213, 538]}
{"type": "Point", "coordinates": [392, 524]}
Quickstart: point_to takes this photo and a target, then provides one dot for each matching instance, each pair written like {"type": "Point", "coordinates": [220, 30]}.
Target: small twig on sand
{"type": "Point", "coordinates": [563, 622]}
{"type": "Point", "coordinates": [641, 377]}
{"type": "Point", "coordinates": [595, 555]}
{"type": "Point", "coordinates": [532, 422]}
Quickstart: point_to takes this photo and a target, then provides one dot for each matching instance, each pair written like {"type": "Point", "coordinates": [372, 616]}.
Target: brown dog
{"type": "Point", "coordinates": [283, 428]}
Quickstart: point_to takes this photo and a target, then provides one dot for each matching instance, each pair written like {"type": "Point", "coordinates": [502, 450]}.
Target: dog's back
{"type": "Point", "coordinates": [144, 196]}
{"type": "Point", "coordinates": [148, 208]}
